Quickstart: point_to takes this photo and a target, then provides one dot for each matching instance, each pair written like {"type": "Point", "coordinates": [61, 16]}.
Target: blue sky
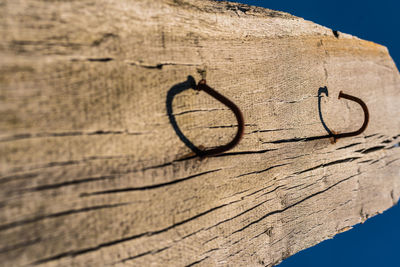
{"type": "Point", "coordinates": [376, 242]}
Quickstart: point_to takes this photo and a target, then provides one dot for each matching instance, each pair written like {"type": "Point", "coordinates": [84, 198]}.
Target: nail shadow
{"type": "Point", "coordinates": [322, 90]}
{"type": "Point", "coordinates": [190, 83]}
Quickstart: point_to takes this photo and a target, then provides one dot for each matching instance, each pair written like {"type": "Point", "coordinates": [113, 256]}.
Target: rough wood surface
{"type": "Point", "coordinates": [92, 170]}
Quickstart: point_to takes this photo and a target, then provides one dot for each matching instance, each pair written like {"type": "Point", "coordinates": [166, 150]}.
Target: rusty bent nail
{"type": "Point", "coordinates": [366, 116]}
{"type": "Point", "coordinates": [239, 117]}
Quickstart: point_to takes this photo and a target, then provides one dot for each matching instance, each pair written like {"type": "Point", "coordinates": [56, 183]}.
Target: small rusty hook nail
{"type": "Point", "coordinates": [366, 116]}
{"type": "Point", "coordinates": [239, 117]}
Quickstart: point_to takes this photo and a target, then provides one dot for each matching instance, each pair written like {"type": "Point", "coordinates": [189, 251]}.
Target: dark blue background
{"type": "Point", "coordinates": [376, 242]}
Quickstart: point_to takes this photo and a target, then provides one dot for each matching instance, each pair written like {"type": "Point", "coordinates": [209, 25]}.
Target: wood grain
{"type": "Point", "coordinates": [92, 170]}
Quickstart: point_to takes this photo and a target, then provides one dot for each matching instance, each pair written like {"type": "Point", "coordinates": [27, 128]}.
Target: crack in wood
{"type": "Point", "coordinates": [148, 187]}
{"type": "Point", "coordinates": [226, 154]}
{"type": "Point", "coordinates": [196, 262]}
{"type": "Point", "coordinates": [292, 205]}
{"type": "Point", "coordinates": [65, 134]}
{"type": "Point", "coordinates": [264, 170]}
{"type": "Point", "coordinates": [328, 164]}
{"type": "Point", "coordinates": [60, 214]}
{"type": "Point", "coordinates": [160, 66]}
{"type": "Point", "coordinates": [66, 183]}
{"type": "Point", "coordinates": [371, 149]}
{"type": "Point", "coordinates": [150, 252]}
{"type": "Point", "coordinates": [20, 245]}
{"type": "Point", "coordinates": [74, 253]}
{"type": "Point", "coordinates": [347, 146]}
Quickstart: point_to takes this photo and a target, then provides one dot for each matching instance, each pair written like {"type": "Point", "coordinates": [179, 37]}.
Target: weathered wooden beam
{"type": "Point", "coordinates": [95, 101]}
